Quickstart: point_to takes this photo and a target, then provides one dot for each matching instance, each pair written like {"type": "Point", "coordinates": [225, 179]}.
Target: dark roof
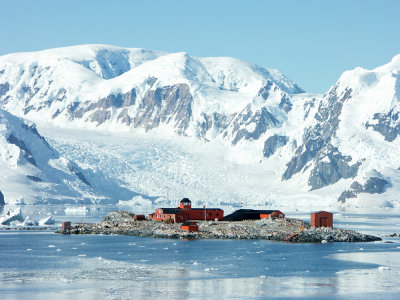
{"type": "Point", "coordinates": [247, 214]}
{"type": "Point", "coordinates": [170, 210]}
{"type": "Point", "coordinates": [186, 200]}
{"type": "Point", "coordinates": [188, 223]}
{"type": "Point", "coordinates": [322, 211]}
{"type": "Point", "coordinates": [206, 209]}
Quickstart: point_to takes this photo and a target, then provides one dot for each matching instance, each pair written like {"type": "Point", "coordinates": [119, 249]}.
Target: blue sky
{"type": "Point", "coordinates": [312, 42]}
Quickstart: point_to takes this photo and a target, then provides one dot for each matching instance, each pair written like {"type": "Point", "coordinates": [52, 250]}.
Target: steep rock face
{"type": "Point", "coordinates": [328, 164]}
{"type": "Point", "coordinates": [387, 124]}
{"type": "Point", "coordinates": [374, 185]}
{"type": "Point", "coordinates": [102, 110]}
{"type": "Point", "coordinates": [273, 143]}
{"type": "Point", "coordinates": [251, 123]}
{"type": "Point", "coordinates": [170, 104]}
{"type": "Point", "coordinates": [2, 202]}
{"type": "Point", "coordinates": [330, 167]}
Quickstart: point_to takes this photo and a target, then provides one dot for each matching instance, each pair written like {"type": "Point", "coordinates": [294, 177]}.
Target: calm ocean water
{"type": "Point", "coordinates": [45, 265]}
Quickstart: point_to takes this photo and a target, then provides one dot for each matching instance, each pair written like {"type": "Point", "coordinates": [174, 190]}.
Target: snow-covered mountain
{"type": "Point", "coordinates": [103, 86]}
{"type": "Point", "coordinates": [339, 147]}
{"type": "Point", "coordinates": [33, 172]}
{"type": "Point", "coordinates": [349, 137]}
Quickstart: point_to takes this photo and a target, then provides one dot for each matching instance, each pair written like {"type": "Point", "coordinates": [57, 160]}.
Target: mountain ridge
{"type": "Point", "coordinates": [344, 139]}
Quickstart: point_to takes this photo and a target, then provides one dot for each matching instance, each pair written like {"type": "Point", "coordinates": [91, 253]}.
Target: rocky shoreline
{"type": "Point", "coordinates": [286, 229]}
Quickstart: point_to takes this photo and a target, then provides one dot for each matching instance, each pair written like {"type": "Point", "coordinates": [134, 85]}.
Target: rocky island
{"type": "Point", "coordinates": [279, 229]}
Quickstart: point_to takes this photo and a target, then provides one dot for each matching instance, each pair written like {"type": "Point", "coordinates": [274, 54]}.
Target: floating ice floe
{"type": "Point", "coordinates": [12, 215]}
{"type": "Point", "coordinates": [47, 221]}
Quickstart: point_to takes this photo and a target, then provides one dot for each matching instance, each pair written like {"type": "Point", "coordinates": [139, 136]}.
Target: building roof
{"type": "Point", "coordinates": [321, 211]}
{"type": "Point", "coordinates": [188, 223]}
{"type": "Point", "coordinates": [206, 209]}
{"type": "Point", "coordinates": [170, 210]}
{"type": "Point", "coordinates": [248, 214]}
{"type": "Point", "coordinates": [186, 200]}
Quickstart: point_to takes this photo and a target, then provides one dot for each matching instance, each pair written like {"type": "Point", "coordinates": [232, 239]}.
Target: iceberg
{"type": "Point", "coordinates": [47, 221]}
{"type": "Point", "coordinates": [12, 215]}
{"type": "Point", "coordinates": [29, 222]}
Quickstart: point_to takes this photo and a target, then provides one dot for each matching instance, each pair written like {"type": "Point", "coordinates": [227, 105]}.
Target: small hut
{"type": "Point", "coordinates": [139, 218]}
{"type": "Point", "coordinates": [190, 226]}
{"type": "Point", "coordinates": [66, 226]}
{"type": "Point", "coordinates": [322, 219]}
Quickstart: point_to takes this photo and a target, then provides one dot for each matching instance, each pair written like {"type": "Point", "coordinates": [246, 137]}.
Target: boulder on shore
{"type": "Point", "coordinates": [119, 217]}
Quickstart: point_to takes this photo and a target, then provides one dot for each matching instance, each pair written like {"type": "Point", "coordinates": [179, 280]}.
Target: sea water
{"type": "Point", "coordinates": [46, 265]}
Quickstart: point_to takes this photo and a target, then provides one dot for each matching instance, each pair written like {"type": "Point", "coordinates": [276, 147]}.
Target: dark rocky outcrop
{"type": "Point", "coordinates": [374, 185]}
{"type": "Point", "coordinates": [24, 149]}
{"type": "Point", "coordinates": [101, 109]}
{"type": "Point", "coordinates": [169, 104]}
{"type": "Point", "coordinates": [262, 119]}
{"type": "Point", "coordinates": [265, 90]}
{"type": "Point", "coordinates": [387, 124]}
{"type": "Point", "coordinates": [78, 173]}
{"type": "Point", "coordinates": [273, 143]}
{"type": "Point", "coordinates": [330, 168]}
{"type": "Point", "coordinates": [328, 164]}
{"type": "Point", "coordinates": [217, 121]}
{"type": "Point", "coordinates": [34, 178]}
{"type": "Point", "coordinates": [2, 202]}
{"type": "Point", "coordinates": [4, 88]}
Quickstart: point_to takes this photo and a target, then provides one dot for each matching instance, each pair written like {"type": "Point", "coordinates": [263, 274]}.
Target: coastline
{"type": "Point", "coordinates": [286, 229]}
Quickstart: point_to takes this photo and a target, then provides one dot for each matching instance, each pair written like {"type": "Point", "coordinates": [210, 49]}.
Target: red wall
{"type": "Point", "coordinates": [188, 214]}
{"type": "Point", "coordinates": [211, 214]}
{"type": "Point", "coordinates": [322, 219]}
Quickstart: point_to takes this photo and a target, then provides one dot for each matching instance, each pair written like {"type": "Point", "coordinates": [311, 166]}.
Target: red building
{"type": "Point", "coordinates": [66, 225]}
{"type": "Point", "coordinates": [190, 226]}
{"type": "Point", "coordinates": [139, 218]}
{"type": "Point", "coordinates": [185, 212]}
{"type": "Point", "coordinates": [322, 219]}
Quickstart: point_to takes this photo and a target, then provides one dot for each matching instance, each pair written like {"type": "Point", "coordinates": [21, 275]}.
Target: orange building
{"type": "Point", "coordinates": [322, 219]}
{"type": "Point", "coordinates": [190, 226]}
{"type": "Point", "coordinates": [66, 225]}
{"type": "Point", "coordinates": [185, 212]}
{"type": "Point", "coordinates": [272, 214]}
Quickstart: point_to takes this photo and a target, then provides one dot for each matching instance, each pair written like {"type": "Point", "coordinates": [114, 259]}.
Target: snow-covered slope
{"type": "Point", "coordinates": [33, 172]}
{"type": "Point", "coordinates": [349, 138]}
{"type": "Point", "coordinates": [338, 148]}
